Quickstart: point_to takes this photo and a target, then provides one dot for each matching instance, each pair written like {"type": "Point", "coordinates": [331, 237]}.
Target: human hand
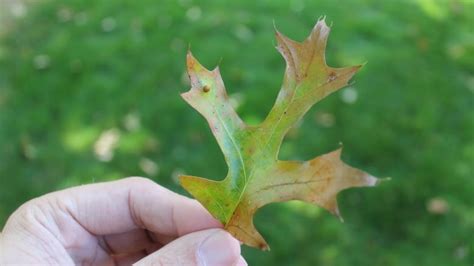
{"type": "Point", "coordinates": [119, 222]}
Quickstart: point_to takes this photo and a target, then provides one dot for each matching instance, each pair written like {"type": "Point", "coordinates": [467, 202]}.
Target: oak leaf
{"type": "Point", "coordinates": [255, 175]}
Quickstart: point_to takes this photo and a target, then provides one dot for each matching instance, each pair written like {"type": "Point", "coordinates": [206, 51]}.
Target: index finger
{"type": "Point", "coordinates": [127, 204]}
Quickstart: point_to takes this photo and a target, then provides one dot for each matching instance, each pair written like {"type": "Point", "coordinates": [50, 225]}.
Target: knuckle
{"type": "Point", "coordinates": [27, 215]}
{"type": "Point", "coordinates": [139, 181]}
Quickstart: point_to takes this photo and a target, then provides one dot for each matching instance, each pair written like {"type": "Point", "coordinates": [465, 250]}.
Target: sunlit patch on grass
{"type": "Point", "coordinates": [349, 95]}
{"type": "Point", "coordinates": [64, 14]}
{"type": "Point", "coordinates": [470, 83]}
{"type": "Point", "coordinates": [41, 61]}
{"type": "Point", "coordinates": [304, 208]}
{"type": "Point", "coordinates": [80, 139]}
{"type": "Point", "coordinates": [325, 119]}
{"type": "Point", "coordinates": [329, 254]}
{"type": "Point", "coordinates": [456, 50]}
{"type": "Point", "coordinates": [243, 33]}
{"type": "Point", "coordinates": [105, 145]}
{"type": "Point", "coordinates": [194, 13]}
{"type": "Point", "coordinates": [16, 8]}
{"type": "Point", "coordinates": [297, 6]}
{"type": "Point", "coordinates": [437, 205]}
{"type": "Point", "coordinates": [28, 149]}
{"type": "Point", "coordinates": [131, 122]}
{"type": "Point", "coordinates": [433, 8]}
{"type": "Point", "coordinates": [108, 24]}
{"type": "Point", "coordinates": [136, 142]}
{"type": "Point", "coordinates": [149, 167]}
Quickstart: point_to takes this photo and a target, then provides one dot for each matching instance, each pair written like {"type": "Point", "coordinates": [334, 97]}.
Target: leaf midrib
{"type": "Point", "coordinates": [236, 147]}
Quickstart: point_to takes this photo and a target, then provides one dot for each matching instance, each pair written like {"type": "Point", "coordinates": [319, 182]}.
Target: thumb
{"type": "Point", "coordinates": [212, 247]}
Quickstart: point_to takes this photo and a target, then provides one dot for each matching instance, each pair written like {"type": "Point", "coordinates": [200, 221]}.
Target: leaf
{"type": "Point", "coordinates": [255, 175]}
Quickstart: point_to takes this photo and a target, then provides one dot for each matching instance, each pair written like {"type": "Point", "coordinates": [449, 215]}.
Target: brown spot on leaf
{"type": "Point", "coordinates": [206, 88]}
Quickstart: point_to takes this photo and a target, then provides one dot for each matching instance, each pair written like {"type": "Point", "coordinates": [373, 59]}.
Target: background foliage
{"type": "Point", "coordinates": [89, 91]}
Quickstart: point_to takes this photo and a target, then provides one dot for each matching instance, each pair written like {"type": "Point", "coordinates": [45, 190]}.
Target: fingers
{"type": "Point", "coordinates": [128, 259]}
{"type": "Point", "coordinates": [208, 248]}
{"type": "Point", "coordinates": [128, 242]}
{"type": "Point", "coordinates": [131, 203]}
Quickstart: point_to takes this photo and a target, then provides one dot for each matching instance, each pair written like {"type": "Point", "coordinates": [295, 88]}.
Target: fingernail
{"type": "Point", "coordinates": [219, 249]}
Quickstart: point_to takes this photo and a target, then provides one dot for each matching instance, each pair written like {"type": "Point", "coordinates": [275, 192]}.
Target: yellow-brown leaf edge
{"type": "Point", "coordinates": [255, 175]}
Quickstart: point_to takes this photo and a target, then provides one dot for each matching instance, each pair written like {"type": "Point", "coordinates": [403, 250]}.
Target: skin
{"type": "Point", "coordinates": [133, 220]}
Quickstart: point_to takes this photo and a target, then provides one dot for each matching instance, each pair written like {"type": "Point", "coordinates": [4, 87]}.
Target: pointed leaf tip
{"type": "Point", "coordinates": [336, 212]}
{"type": "Point", "coordinates": [191, 62]}
{"type": "Point", "coordinates": [383, 180]}
{"type": "Point", "coordinates": [274, 26]}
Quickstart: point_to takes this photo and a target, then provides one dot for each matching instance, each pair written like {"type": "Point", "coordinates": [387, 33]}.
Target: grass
{"type": "Point", "coordinates": [71, 72]}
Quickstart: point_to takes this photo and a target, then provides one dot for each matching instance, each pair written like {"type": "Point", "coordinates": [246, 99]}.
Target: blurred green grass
{"type": "Point", "coordinates": [89, 91]}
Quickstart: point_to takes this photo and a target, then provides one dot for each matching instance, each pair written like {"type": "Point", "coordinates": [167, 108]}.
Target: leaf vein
{"type": "Point", "coordinates": [292, 183]}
